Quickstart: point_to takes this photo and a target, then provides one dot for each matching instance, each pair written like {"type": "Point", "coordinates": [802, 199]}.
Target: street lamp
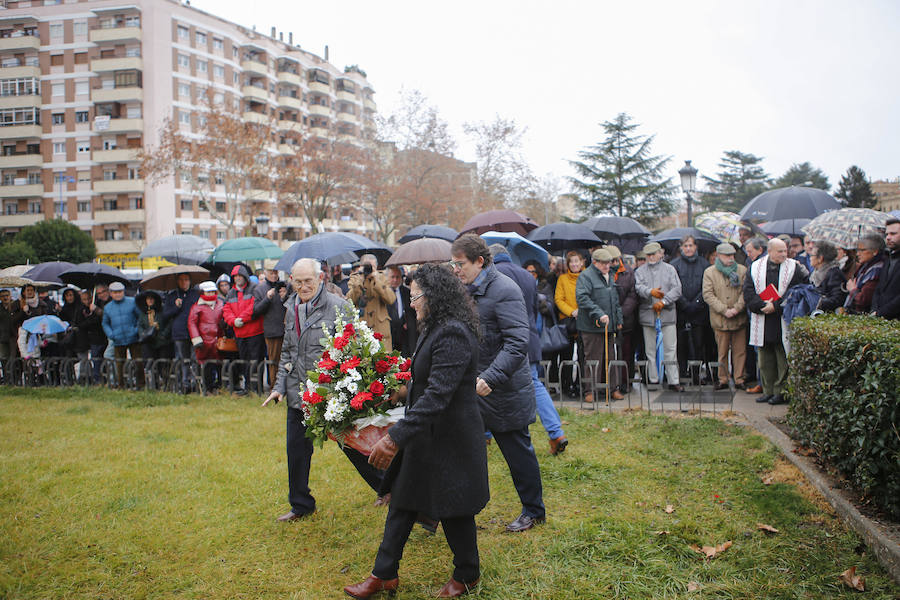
{"type": "Point", "coordinates": [688, 185]}
{"type": "Point", "coordinates": [262, 225]}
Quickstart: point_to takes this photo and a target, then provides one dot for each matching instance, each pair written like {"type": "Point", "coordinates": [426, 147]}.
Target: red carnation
{"type": "Point", "coordinates": [406, 364]}
{"type": "Point", "coordinates": [314, 398]}
{"type": "Point", "coordinates": [349, 332]}
{"type": "Point", "coordinates": [394, 359]}
{"type": "Point", "coordinates": [350, 363]}
{"type": "Point", "coordinates": [306, 395]}
{"type": "Point", "coordinates": [377, 388]}
{"type": "Point", "coordinates": [403, 376]}
{"type": "Point", "coordinates": [377, 336]}
{"type": "Point", "coordinates": [382, 366]}
{"type": "Point", "coordinates": [324, 378]}
{"type": "Point", "coordinates": [340, 341]}
{"type": "Point", "coordinates": [326, 355]}
{"type": "Point", "coordinates": [327, 364]}
{"type": "Point", "coordinates": [356, 403]}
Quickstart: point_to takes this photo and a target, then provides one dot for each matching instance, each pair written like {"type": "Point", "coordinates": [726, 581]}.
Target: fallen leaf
{"type": "Point", "coordinates": [711, 551]}
{"type": "Point", "coordinates": [670, 509]}
{"type": "Point", "coordinates": [766, 528]}
{"type": "Point", "coordinates": [768, 480]}
{"type": "Point", "coordinates": [605, 430]}
{"type": "Point", "coordinates": [693, 586]}
{"type": "Point", "coordinates": [662, 532]}
{"type": "Point", "coordinates": [851, 579]}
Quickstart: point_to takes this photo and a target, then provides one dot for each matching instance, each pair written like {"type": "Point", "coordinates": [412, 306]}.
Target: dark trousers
{"type": "Point", "coordinates": [250, 349]}
{"type": "Point", "coordinates": [121, 354]}
{"type": "Point", "coordinates": [273, 353]}
{"type": "Point", "coordinates": [372, 476]}
{"type": "Point", "coordinates": [523, 467]}
{"type": "Point", "coordinates": [97, 351]}
{"type": "Point", "coordinates": [299, 455]}
{"type": "Point", "coordinates": [695, 342]}
{"type": "Point", "coordinates": [184, 351]}
{"type": "Point", "coordinates": [461, 537]}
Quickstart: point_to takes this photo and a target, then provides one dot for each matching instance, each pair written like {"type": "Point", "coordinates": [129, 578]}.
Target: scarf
{"type": "Point", "coordinates": [151, 317]}
{"type": "Point", "coordinates": [619, 271]}
{"type": "Point", "coordinates": [208, 300]}
{"type": "Point", "coordinates": [818, 276]}
{"type": "Point", "coordinates": [730, 273]}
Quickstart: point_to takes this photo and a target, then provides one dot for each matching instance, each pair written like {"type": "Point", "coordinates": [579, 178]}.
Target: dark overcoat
{"type": "Point", "coordinates": [441, 467]}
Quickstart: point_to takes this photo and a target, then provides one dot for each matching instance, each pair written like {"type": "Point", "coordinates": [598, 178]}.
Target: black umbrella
{"type": "Point", "coordinates": [218, 269]}
{"type": "Point", "coordinates": [625, 233]}
{"type": "Point", "coordinates": [556, 237]}
{"type": "Point", "coordinates": [502, 220]}
{"type": "Point", "coordinates": [670, 239]}
{"type": "Point", "coordinates": [788, 226]}
{"type": "Point", "coordinates": [332, 246]}
{"type": "Point", "coordinates": [429, 231]}
{"type": "Point", "coordinates": [87, 275]}
{"type": "Point", "coordinates": [48, 271]}
{"type": "Point", "coordinates": [795, 202]}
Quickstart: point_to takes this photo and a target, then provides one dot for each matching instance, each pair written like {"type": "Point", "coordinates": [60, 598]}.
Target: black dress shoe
{"type": "Point", "coordinates": [676, 387]}
{"type": "Point", "coordinates": [777, 399]}
{"type": "Point", "coordinates": [524, 523]}
{"type": "Point", "coordinates": [720, 386]}
{"type": "Point", "coordinates": [292, 516]}
{"type": "Point", "coordinates": [763, 399]}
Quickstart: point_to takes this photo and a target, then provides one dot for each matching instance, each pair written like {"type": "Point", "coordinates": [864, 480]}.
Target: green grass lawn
{"type": "Point", "coordinates": [132, 495]}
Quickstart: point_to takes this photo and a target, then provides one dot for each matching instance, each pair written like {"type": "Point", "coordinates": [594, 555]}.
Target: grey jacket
{"type": "Point", "coordinates": [503, 357]}
{"type": "Point", "coordinates": [663, 276]}
{"type": "Point", "coordinates": [301, 350]}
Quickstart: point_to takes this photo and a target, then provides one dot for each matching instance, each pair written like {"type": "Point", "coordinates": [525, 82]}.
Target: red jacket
{"type": "Point", "coordinates": [239, 304]}
{"type": "Point", "coordinates": [205, 322]}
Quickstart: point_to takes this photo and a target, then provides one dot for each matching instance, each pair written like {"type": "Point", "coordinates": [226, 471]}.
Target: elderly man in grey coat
{"type": "Point", "coordinates": [658, 288]}
{"type": "Point", "coordinates": [504, 383]}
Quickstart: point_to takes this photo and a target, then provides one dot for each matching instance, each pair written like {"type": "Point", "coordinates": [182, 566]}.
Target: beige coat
{"type": "Point", "coordinates": [378, 296]}
{"type": "Point", "coordinates": [720, 296]}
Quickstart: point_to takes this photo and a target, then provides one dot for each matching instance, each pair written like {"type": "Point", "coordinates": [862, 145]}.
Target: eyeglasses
{"type": "Point", "coordinates": [456, 265]}
{"type": "Point", "coordinates": [416, 297]}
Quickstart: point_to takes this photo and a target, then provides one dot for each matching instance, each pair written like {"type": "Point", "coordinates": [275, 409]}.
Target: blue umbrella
{"type": "Point", "coordinates": [520, 249]}
{"type": "Point", "coordinates": [45, 325]}
{"type": "Point", "coordinates": [332, 246]}
{"type": "Point", "coordinates": [659, 349]}
{"type": "Point", "coordinates": [48, 271]}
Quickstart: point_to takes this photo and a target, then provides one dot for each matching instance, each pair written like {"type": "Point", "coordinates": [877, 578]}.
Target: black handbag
{"type": "Point", "coordinates": [554, 337]}
{"type": "Point", "coordinates": [569, 325]}
{"type": "Point", "coordinates": [145, 335]}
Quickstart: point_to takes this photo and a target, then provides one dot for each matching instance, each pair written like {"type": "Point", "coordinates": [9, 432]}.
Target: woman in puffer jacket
{"type": "Point", "coordinates": [205, 325]}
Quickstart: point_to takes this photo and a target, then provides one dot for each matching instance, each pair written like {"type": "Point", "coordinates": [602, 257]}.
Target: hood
{"type": "Point", "coordinates": [502, 257]}
{"type": "Point", "coordinates": [141, 300]}
{"type": "Point", "coordinates": [240, 270]}
{"type": "Point", "coordinates": [223, 277]}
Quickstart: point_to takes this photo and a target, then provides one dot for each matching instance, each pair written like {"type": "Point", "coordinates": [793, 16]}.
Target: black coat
{"type": "Point", "coordinates": [691, 307]}
{"type": "Point", "coordinates": [93, 325]}
{"type": "Point", "coordinates": [886, 301]}
{"type": "Point", "coordinates": [503, 353]}
{"type": "Point", "coordinates": [75, 314]}
{"type": "Point", "coordinates": [772, 332]}
{"type": "Point", "coordinates": [628, 298]}
{"type": "Point", "coordinates": [270, 309]}
{"type": "Point", "coordinates": [403, 329]}
{"type": "Point", "coordinates": [177, 316]}
{"type": "Point", "coordinates": [441, 467]}
{"type": "Point", "coordinates": [528, 285]}
{"type": "Point", "coordinates": [832, 290]}
{"type": "Point", "coordinates": [8, 319]}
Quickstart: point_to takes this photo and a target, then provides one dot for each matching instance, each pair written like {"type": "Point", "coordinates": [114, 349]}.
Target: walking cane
{"type": "Point", "coordinates": [606, 359]}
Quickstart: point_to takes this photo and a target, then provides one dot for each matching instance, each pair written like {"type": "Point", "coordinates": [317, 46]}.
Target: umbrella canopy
{"type": "Point", "coordinates": [14, 276]}
{"type": "Point", "coordinates": [895, 214]}
{"type": "Point", "coordinates": [657, 325]}
{"type": "Point", "coordinates": [556, 237]}
{"type": "Point", "coordinates": [844, 227]}
{"type": "Point", "coordinates": [48, 271]}
{"type": "Point", "coordinates": [670, 239]}
{"type": "Point", "coordinates": [167, 278]}
{"type": "Point", "coordinates": [520, 249]}
{"type": "Point", "coordinates": [499, 220]}
{"type": "Point", "coordinates": [222, 268]}
{"type": "Point", "coordinates": [87, 275]}
{"type": "Point", "coordinates": [45, 325]}
{"type": "Point", "coordinates": [625, 233]}
{"type": "Point", "coordinates": [335, 247]}
{"type": "Point", "coordinates": [789, 203]}
{"type": "Point", "coordinates": [179, 249]}
{"type": "Point", "coordinates": [246, 248]}
{"type": "Point", "coordinates": [785, 226]}
{"type": "Point", "coordinates": [422, 250]}
{"type": "Point", "coordinates": [725, 226]}
{"type": "Point", "coordinates": [429, 231]}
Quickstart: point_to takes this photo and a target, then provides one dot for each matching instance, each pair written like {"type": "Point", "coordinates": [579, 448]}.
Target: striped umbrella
{"type": "Point", "coordinates": [844, 227]}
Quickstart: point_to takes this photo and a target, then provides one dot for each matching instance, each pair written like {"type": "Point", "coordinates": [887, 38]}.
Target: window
{"type": "Point", "coordinates": [184, 117]}
{"type": "Point", "coordinates": [58, 118]}
{"type": "Point", "coordinates": [134, 173]}
{"type": "Point", "coordinates": [183, 32]}
{"type": "Point", "coordinates": [136, 234]}
{"type": "Point", "coordinates": [58, 89]}
{"type": "Point", "coordinates": [133, 21]}
{"type": "Point", "coordinates": [234, 52]}
{"type": "Point", "coordinates": [82, 88]}
{"type": "Point", "coordinates": [35, 207]}
{"type": "Point", "coordinates": [34, 178]}
{"type": "Point", "coordinates": [202, 66]}
{"type": "Point", "coordinates": [218, 44]}
{"type": "Point", "coordinates": [109, 175]}
{"type": "Point", "coordinates": [201, 39]}
{"type": "Point", "coordinates": [219, 71]}
{"type": "Point", "coordinates": [83, 176]}
{"type": "Point", "coordinates": [9, 179]}
{"type": "Point", "coordinates": [204, 233]}
{"type": "Point", "coordinates": [56, 31]}
{"type": "Point", "coordinates": [112, 234]}
{"type": "Point", "coordinates": [25, 86]}
{"type": "Point", "coordinates": [81, 116]}
{"type": "Point", "coordinates": [128, 79]}
{"type": "Point", "coordinates": [220, 207]}
{"type": "Point", "coordinates": [220, 236]}
{"type": "Point", "coordinates": [133, 51]}
{"type": "Point", "coordinates": [84, 206]}
{"type": "Point", "coordinates": [11, 208]}
{"type": "Point", "coordinates": [184, 60]}
{"type": "Point", "coordinates": [187, 204]}
{"type": "Point", "coordinates": [79, 28]}
{"type": "Point", "coordinates": [136, 203]}
{"type": "Point", "coordinates": [59, 147]}
{"type": "Point", "coordinates": [83, 148]}
{"type": "Point", "coordinates": [134, 111]}
{"type": "Point", "coordinates": [109, 204]}
{"type": "Point", "coordinates": [184, 90]}
{"type": "Point", "coordinates": [235, 79]}
{"type": "Point", "coordinates": [59, 208]}
{"type": "Point", "coordinates": [218, 98]}
{"type": "Point", "coordinates": [109, 144]}
{"type": "Point", "coordinates": [81, 58]}
{"type": "Point", "coordinates": [56, 60]}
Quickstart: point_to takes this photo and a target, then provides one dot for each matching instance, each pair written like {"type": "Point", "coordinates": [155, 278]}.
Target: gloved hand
{"type": "Point", "coordinates": [658, 306]}
{"type": "Point", "coordinates": [657, 293]}
{"type": "Point", "coordinates": [239, 322]}
{"type": "Point", "coordinates": [196, 342]}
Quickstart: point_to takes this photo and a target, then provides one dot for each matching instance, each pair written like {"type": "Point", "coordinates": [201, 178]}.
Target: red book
{"type": "Point", "coordinates": [770, 294]}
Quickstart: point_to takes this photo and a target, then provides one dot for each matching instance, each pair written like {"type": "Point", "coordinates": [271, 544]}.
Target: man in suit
{"type": "Point", "coordinates": [402, 315]}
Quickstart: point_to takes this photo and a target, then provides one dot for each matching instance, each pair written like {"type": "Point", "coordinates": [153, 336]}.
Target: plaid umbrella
{"type": "Point", "coordinates": [844, 227]}
{"type": "Point", "coordinates": [724, 225]}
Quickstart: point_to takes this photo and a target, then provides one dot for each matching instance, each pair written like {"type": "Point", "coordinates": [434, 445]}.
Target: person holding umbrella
{"type": "Point", "coordinates": [238, 313]}
{"type": "Point", "coordinates": [176, 308]}
{"type": "Point", "coordinates": [659, 288]}
{"type": "Point", "coordinates": [599, 313]}
{"type": "Point", "coordinates": [92, 327]}
{"type": "Point", "coordinates": [628, 301]}
{"type": "Point", "coordinates": [121, 324]}
{"type": "Point", "coordinates": [74, 313]}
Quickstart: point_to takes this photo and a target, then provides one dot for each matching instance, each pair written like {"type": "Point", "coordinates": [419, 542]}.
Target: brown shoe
{"type": "Point", "coordinates": [382, 500]}
{"type": "Point", "coordinates": [292, 516]}
{"type": "Point", "coordinates": [756, 389]}
{"type": "Point", "coordinates": [617, 395]}
{"type": "Point", "coordinates": [558, 445]}
{"type": "Point", "coordinates": [589, 398]}
{"type": "Point", "coordinates": [371, 586]}
{"type": "Point", "coordinates": [455, 589]}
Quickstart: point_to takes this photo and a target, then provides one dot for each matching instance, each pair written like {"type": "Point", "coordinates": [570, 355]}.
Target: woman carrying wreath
{"type": "Point", "coordinates": [435, 456]}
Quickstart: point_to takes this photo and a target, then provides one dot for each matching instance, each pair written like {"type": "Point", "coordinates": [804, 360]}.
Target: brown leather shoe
{"type": "Point", "coordinates": [455, 589]}
{"type": "Point", "coordinates": [756, 389]}
{"type": "Point", "coordinates": [292, 516]}
{"type": "Point", "coordinates": [617, 395]}
{"type": "Point", "coordinates": [558, 445]}
{"type": "Point", "coordinates": [589, 398]}
{"type": "Point", "coordinates": [371, 586]}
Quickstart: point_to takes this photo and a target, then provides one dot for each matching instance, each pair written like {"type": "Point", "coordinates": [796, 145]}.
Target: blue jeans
{"type": "Point", "coordinates": [545, 409]}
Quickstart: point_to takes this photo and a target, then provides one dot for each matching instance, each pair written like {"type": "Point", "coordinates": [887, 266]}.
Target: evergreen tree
{"type": "Point", "coordinates": [620, 175]}
{"type": "Point", "coordinates": [803, 174]}
{"type": "Point", "coordinates": [741, 179]}
{"type": "Point", "coordinates": [854, 190]}
{"type": "Point", "coordinates": [57, 239]}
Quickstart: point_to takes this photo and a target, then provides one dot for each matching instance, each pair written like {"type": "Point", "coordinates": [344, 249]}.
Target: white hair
{"type": "Point", "coordinates": [312, 263]}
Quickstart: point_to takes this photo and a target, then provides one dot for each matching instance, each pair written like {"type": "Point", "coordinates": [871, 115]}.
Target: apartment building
{"type": "Point", "coordinates": [887, 192]}
{"type": "Point", "coordinates": [85, 84]}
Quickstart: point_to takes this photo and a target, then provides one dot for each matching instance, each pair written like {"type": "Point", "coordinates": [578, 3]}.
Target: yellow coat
{"type": "Point", "coordinates": [565, 294]}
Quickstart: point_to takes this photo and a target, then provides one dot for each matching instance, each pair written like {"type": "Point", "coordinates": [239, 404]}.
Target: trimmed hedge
{"type": "Point", "coordinates": [844, 383]}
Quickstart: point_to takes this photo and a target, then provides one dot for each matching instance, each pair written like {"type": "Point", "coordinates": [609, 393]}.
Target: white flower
{"type": "Point", "coordinates": [354, 375]}
{"type": "Point", "coordinates": [352, 387]}
{"type": "Point", "coordinates": [335, 409]}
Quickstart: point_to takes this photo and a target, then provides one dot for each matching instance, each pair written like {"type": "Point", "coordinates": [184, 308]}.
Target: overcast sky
{"type": "Point", "coordinates": [791, 81]}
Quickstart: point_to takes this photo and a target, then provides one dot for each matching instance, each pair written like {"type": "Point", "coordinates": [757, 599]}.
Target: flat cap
{"type": "Point", "coordinates": [602, 255]}
{"type": "Point", "coordinates": [117, 286]}
{"type": "Point", "coordinates": [652, 248]}
{"type": "Point", "coordinates": [724, 248]}
{"type": "Point", "coordinates": [613, 251]}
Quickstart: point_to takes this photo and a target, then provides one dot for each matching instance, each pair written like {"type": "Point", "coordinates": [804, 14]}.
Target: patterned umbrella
{"type": "Point", "coordinates": [725, 226]}
{"type": "Point", "coordinates": [844, 227]}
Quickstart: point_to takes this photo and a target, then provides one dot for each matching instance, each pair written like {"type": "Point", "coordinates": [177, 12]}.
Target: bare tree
{"type": "Point", "coordinates": [541, 202]}
{"type": "Point", "coordinates": [504, 177]}
{"type": "Point", "coordinates": [416, 123]}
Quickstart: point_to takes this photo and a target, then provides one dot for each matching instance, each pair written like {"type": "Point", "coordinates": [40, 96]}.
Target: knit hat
{"type": "Point", "coordinates": [724, 248]}
{"type": "Point", "coordinates": [652, 248]}
{"type": "Point", "coordinates": [207, 287]}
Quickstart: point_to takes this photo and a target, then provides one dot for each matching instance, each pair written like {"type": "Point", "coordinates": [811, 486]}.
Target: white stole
{"type": "Point", "coordinates": [758, 321]}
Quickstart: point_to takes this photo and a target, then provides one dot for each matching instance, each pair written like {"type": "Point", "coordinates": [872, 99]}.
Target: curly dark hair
{"type": "Point", "coordinates": [447, 298]}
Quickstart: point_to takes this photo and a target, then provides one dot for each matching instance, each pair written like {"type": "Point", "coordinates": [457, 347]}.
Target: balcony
{"type": "Point", "coordinates": [119, 155]}
{"type": "Point", "coordinates": [21, 191]}
{"type": "Point", "coordinates": [23, 220]}
{"type": "Point", "coordinates": [256, 195]}
{"type": "Point", "coordinates": [255, 117]}
{"type": "Point", "coordinates": [251, 92]}
{"type": "Point", "coordinates": [370, 104]}
{"type": "Point", "coordinates": [287, 77]}
{"type": "Point", "coordinates": [21, 161]}
{"type": "Point", "coordinates": [116, 34]}
{"type": "Point", "coordinates": [318, 109]}
{"type": "Point", "coordinates": [23, 42]}
{"type": "Point", "coordinates": [122, 126]}
{"type": "Point", "coordinates": [290, 102]}
{"type": "Point", "coordinates": [119, 186]}
{"type": "Point", "coordinates": [347, 96]}
{"type": "Point", "coordinates": [286, 148]}
{"type": "Point", "coordinates": [17, 132]}
{"type": "Point", "coordinates": [293, 222]}
{"type": "Point", "coordinates": [318, 86]}
{"type": "Point", "coordinates": [19, 72]}
{"type": "Point", "coordinates": [347, 117]}
{"type": "Point", "coordinates": [290, 125]}
{"type": "Point", "coordinates": [122, 94]}
{"type": "Point", "coordinates": [118, 246]}
{"type": "Point", "coordinates": [319, 131]}
{"type": "Point", "coordinates": [125, 63]}
{"type": "Point", "coordinates": [112, 217]}
{"type": "Point", "coordinates": [255, 67]}
{"type": "Point", "coordinates": [30, 101]}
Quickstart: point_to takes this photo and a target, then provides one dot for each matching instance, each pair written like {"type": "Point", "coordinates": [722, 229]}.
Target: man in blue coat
{"type": "Point", "coordinates": [121, 324]}
{"type": "Point", "coordinates": [503, 384]}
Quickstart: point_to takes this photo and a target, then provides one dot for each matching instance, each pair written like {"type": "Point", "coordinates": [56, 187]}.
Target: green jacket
{"type": "Point", "coordinates": [596, 297]}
